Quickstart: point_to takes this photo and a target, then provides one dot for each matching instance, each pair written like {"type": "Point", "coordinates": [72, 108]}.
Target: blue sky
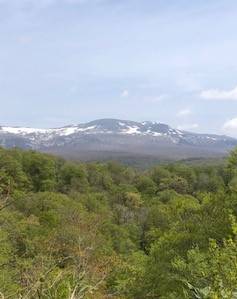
{"type": "Point", "coordinates": [71, 61]}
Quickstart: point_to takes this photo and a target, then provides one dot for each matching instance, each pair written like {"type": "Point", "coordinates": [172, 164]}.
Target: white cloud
{"type": "Point", "coordinates": [186, 127]}
{"type": "Point", "coordinates": [230, 126]}
{"type": "Point", "coordinates": [184, 112]}
{"type": "Point", "coordinates": [125, 93]}
{"type": "Point", "coordinates": [217, 94]}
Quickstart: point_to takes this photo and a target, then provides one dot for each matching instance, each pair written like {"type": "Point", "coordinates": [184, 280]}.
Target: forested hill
{"type": "Point", "coordinates": [94, 231]}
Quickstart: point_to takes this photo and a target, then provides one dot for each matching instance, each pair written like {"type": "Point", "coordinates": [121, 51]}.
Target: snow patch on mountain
{"type": "Point", "coordinates": [23, 130]}
{"type": "Point", "coordinates": [131, 130]}
{"type": "Point", "coordinates": [37, 138]}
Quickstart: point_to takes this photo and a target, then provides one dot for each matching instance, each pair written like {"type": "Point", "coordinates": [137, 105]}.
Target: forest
{"type": "Point", "coordinates": [71, 230]}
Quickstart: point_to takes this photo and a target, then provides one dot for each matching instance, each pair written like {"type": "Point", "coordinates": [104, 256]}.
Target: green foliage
{"type": "Point", "coordinates": [70, 230]}
{"type": "Point", "coordinates": [211, 273]}
{"type": "Point", "coordinates": [73, 177]}
{"type": "Point", "coordinates": [41, 171]}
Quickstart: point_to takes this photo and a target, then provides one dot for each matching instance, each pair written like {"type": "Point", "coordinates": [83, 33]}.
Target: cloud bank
{"type": "Point", "coordinates": [231, 126]}
{"type": "Point", "coordinates": [217, 94]}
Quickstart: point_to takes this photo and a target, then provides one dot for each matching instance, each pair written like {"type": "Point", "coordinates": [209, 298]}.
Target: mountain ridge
{"type": "Point", "coordinates": [118, 136]}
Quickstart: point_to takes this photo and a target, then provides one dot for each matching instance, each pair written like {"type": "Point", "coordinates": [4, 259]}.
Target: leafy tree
{"type": "Point", "coordinates": [211, 273]}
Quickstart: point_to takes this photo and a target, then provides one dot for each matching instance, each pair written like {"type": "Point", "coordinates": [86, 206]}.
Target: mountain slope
{"type": "Point", "coordinates": [110, 138]}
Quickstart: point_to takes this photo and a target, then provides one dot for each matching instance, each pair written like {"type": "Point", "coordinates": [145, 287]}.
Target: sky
{"type": "Point", "coordinates": [71, 61]}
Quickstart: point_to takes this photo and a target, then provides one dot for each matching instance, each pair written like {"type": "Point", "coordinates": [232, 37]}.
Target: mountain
{"type": "Point", "coordinates": [112, 139]}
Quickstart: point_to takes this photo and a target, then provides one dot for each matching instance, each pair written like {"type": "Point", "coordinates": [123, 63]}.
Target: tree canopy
{"type": "Point", "coordinates": [71, 230]}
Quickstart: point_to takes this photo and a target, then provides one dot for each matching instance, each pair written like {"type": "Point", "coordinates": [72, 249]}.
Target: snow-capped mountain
{"type": "Point", "coordinates": [117, 136]}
